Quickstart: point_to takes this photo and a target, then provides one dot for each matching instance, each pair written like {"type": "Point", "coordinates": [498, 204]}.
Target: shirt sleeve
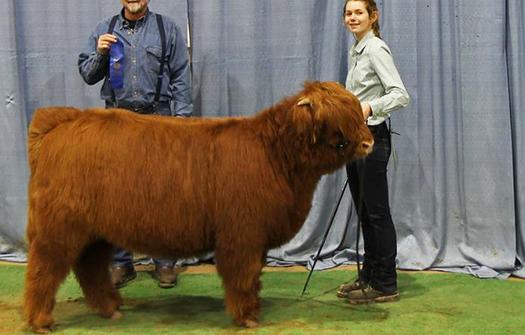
{"type": "Point", "coordinates": [180, 76]}
{"type": "Point", "coordinates": [92, 65]}
{"type": "Point", "coordinates": [396, 95]}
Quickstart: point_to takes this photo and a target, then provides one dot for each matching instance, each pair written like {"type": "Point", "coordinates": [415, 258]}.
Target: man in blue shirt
{"type": "Point", "coordinates": [126, 51]}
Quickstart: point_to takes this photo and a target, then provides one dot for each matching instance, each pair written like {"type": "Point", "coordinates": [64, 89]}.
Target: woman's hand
{"type": "Point", "coordinates": [367, 110]}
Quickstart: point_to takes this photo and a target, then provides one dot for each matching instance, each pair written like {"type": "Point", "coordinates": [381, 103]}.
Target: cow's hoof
{"type": "Point", "coordinates": [250, 323]}
{"type": "Point", "coordinates": [116, 315]}
{"type": "Point", "coordinates": [43, 324]}
{"type": "Point", "coordinates": [42, 330]}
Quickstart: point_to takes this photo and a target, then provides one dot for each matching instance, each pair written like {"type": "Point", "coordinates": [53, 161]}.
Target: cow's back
{"type": "Point", "coordinates": [113, 170]}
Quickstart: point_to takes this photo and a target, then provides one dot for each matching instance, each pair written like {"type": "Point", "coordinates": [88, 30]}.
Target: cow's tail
{"type": "Point", "coordinates": [45, 120]}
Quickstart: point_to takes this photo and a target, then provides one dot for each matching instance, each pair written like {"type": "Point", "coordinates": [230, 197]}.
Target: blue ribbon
{"type": "Point", "coordinates": [116, 65]}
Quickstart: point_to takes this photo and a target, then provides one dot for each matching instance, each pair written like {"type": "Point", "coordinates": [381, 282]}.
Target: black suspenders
{"type": "Point", "coordinates": [163, 54]}
{"type": "Point", "coordinates": [112, 24]}
{"type": "Point", "coordinates": [162, 33]}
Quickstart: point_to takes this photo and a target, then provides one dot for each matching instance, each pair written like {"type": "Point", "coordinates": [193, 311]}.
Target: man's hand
{"type": "Point", "coordinates": [104, 43]}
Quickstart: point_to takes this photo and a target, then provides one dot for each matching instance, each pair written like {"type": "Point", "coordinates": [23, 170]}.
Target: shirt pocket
{"type": "Point", "coordinates": [153, 55]}
{"type": "Point", "coordinates": [362, 69]}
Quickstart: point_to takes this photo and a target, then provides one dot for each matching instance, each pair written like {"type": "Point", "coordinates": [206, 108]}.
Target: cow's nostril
{"type": "Point", "coordinates": [367, 146]}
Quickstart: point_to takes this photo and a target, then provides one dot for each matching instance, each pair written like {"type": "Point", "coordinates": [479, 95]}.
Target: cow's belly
{"type": "Point", "coordinates": [162, 240]}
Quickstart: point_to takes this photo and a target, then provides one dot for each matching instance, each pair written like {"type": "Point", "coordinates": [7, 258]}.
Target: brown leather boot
{"type": "Point", "coordinates": [369, 295]}
{"type": "Point", "coordinates": [166, 276]}
{"type": "Point", "coordinates": [122, 275]}
{"type": "Point", "coordinates": [345, 289]}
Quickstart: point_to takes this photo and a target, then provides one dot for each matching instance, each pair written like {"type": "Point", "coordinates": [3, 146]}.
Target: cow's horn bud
{"type": "Point", "coordinates": [304, 101]}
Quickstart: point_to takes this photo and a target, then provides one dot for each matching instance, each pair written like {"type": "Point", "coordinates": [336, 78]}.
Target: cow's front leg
{"type": "Point", "coordinates": [241, 271]}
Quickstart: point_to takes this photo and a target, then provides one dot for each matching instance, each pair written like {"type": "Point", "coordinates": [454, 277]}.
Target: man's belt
{"type": "Point", "coordinates": [139, 107]}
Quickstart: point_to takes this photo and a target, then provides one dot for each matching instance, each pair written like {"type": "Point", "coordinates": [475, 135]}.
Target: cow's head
{"type": "Point", "coordinates": [330, 119]}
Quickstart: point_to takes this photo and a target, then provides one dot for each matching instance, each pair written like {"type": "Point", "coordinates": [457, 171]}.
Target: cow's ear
{"type": "Point", "coordinates": [318, 125]}
{"type": "Point", "coordinates": [303, 116]}
{"type": "Point", "coordinates": [312, 117]}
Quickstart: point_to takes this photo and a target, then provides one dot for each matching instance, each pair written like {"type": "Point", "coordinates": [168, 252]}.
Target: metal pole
{"type": "Point", "coordinates": [324, 237]}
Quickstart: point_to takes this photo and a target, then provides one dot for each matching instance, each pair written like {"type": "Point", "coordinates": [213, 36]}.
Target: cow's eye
{"type": "Point", "coordinates": [341, 145]}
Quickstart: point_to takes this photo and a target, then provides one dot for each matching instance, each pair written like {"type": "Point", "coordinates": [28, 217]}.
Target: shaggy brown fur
{"type": "Point", "coordinates": [173, 187]}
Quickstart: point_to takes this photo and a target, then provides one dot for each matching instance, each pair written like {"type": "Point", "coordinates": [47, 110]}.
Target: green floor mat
{"type": "Point", "coordinates": [430, 304]}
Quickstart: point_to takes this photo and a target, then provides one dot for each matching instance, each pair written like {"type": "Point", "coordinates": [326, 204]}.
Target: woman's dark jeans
{"type": "Point", "coordinates": [369, 187]}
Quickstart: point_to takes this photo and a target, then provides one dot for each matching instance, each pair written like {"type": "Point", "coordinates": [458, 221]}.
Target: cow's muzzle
{"type": "Point", "coordinates": [365, 147]}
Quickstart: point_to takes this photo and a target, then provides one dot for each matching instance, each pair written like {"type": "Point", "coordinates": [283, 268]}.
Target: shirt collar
{"type": "Point", "coordinates": [358, 47]}
{"type": "Point", "coordinates": [124, 21]}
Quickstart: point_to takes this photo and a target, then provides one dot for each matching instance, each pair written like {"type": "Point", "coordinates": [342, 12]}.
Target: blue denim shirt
{"type": "Point", "coordinates": [142, 53]}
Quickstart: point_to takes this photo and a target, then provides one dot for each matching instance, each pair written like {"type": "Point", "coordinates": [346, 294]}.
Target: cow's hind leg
{"type": "Point", "coordinates": [241, 274]}
{"type": "Point", "coordinates": [46, 269]}
{"type": "Point", "coordinates": [92, 272]}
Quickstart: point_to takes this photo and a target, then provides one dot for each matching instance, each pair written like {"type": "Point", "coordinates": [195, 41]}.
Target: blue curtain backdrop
{"type": "Point", "coordinates": [457, 182]}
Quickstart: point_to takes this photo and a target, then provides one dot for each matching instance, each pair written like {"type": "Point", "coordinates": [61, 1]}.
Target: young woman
{"type": "Point", "coordinates": [374, 79]}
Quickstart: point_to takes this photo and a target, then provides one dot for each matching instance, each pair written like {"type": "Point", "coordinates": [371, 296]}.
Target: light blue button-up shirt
{"type": "Point", "coordinates": [142, 53]}
{"type": "Point", "coordinates": [374, 79]}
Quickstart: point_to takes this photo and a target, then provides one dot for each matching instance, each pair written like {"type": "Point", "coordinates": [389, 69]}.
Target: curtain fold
{"type": "Point", "coordinates": [457, 178]}
{"type": "Point", "coordinates": [13, 162]}
{"type": "Point", "coordinates": [515, 47]}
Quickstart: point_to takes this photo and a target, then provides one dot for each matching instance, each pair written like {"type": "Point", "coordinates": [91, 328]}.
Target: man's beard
{"type": "Point", "coordinates": [135, 8]}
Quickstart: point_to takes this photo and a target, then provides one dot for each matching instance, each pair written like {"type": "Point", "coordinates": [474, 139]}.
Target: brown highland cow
{"type": "Point", "coordinates": [174, 187]}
